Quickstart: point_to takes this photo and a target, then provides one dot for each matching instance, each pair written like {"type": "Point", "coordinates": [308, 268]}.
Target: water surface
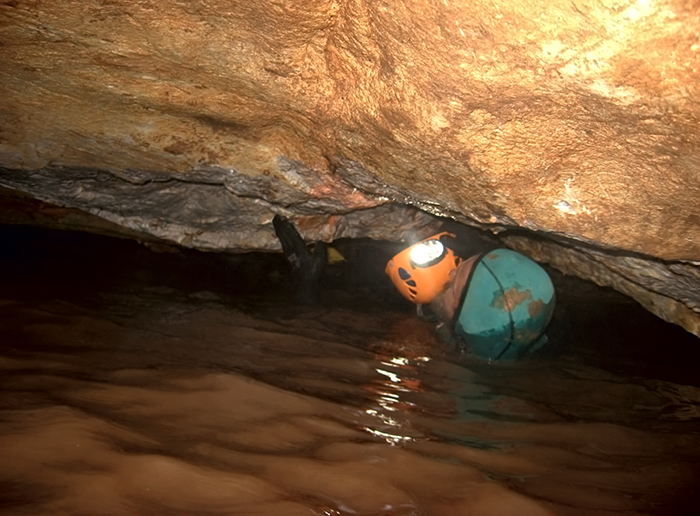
{"type": "Point", "coordinates": [123, 392]}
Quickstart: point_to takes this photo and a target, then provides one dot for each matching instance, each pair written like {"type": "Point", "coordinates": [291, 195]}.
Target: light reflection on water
{"type": "Point", "coordinates": [161, 403]}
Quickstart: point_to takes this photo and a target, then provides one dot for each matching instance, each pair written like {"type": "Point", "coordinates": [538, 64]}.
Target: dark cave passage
{"type": "Point", "coordinates": [591, 323]}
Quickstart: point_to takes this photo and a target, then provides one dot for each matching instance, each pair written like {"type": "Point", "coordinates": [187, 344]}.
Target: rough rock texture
{"type": "Point", "coordinates": [196, 121]}
{"type": "Point", "coordinates": [210, 208]}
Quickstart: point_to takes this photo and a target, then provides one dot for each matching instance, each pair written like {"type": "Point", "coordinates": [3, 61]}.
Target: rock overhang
{"type": "Point", "coordinates": [195, 123]}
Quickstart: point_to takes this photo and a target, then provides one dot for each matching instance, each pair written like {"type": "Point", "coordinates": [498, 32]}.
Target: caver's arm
{"type": "Point", "coordinates": [307, 267]}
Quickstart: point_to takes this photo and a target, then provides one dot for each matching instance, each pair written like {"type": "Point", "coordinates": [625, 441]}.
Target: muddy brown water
{"type": "Point", "coordinates": [186, 385]}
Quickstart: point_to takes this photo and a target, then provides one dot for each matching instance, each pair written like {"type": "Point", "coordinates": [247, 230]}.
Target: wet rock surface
{"type": "Point", "coordinates": [196, 123]}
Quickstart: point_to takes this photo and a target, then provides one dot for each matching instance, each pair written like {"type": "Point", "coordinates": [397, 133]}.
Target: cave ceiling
{"type": "Point", "coordinates": [195, 122]}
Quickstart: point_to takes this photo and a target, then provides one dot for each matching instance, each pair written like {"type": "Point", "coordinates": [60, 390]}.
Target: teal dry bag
{"type": "Point", "coordinates": [508, 302]}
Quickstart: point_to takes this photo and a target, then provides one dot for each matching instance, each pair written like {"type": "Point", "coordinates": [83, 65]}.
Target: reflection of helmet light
{"type": "Point", "coordinates": [427, 251]}
{"type": "Point", "coordinates": [421, 271]}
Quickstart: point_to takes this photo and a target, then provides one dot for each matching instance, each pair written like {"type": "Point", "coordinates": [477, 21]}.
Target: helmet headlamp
{"type": "Point", "coordinates": [421, 271]}
{"type": "Point", "coordinates": [427, 252]}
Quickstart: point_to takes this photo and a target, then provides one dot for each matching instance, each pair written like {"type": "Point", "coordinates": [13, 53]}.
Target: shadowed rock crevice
{"type": "Point", "coordinates": [216, 209]}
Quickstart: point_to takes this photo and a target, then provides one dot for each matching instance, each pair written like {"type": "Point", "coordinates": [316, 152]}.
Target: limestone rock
{"type": "Point", "coordinates": [196, 121]}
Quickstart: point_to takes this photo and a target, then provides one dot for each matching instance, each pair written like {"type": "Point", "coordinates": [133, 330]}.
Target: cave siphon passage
{"type": "Point", "coordinates": [179, 381]}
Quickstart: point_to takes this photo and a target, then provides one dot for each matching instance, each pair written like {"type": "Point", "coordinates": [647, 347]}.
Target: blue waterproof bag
{"type": "Point", "coordinates": [508, 303]}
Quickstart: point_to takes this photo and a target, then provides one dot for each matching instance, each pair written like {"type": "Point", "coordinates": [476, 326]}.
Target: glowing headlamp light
{"type": "Point", "coordinates": [427, 253]}
{"type": "Point", "coordinates": [420, 272]}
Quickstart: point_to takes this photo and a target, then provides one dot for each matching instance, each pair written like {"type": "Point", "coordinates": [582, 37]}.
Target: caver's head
{"type": "Point", "coordinates": [421, 271]}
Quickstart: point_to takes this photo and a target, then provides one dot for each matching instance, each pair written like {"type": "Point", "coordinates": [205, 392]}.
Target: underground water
{"type": "Point", "coordinates": [178, 382]}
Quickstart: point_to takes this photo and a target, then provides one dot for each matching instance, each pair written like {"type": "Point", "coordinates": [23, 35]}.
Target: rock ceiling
{"type": "Point", "coordinates": [194, 122]}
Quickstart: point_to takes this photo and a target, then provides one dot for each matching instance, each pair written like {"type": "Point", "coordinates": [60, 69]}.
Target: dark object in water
{"type": "Point", "coordinates": [307, 267]}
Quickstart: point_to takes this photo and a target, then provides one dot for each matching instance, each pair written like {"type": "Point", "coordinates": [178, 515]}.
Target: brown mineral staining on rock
{"type": "Point", "coordinates": [578, 119]}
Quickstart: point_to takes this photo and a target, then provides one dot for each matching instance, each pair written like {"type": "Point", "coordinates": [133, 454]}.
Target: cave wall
{"type": "Point", "coordinates": [196, 121]}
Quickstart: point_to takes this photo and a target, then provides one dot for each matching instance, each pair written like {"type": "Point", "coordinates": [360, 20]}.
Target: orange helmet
{"type": "Point", "coordinates": [421, 271]}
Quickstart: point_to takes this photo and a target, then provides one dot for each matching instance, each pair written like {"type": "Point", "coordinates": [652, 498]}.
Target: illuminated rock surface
{"type": "Point", "coordinates": [195, 122]}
